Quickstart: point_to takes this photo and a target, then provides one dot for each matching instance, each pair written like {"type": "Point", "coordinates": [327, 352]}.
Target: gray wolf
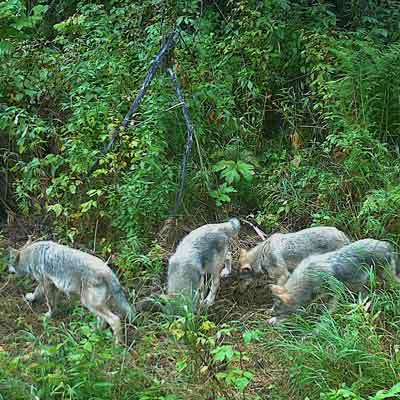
{"type": "Point", "coordinates": [71, 271]}
{"type": "Point", "coordinates": [316, 275]}
{"type": "Point", "coordinates": [281, 253]}
{"type": "Point", "coordinates": [203, 251]}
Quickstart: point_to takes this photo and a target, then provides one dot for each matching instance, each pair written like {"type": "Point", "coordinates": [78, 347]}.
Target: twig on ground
{"type": "Point", "coordinates": [259, 232]}
{"type": "Point", "coordinates": [5, 285]}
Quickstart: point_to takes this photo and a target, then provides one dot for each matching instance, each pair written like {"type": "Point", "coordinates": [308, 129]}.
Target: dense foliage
{"type": "Point", "coordinates": [296, 110]}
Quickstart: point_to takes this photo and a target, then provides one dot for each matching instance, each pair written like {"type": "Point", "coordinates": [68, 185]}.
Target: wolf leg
{"type": "Point", "coordinates": [222, 261]}
{"type": "Point", "coordinates": [51, 294]}
{"type": "Point", "coordinates": [101, 323]}
{"type": "Point", "coordinates": [227, 265]}
{"type": "Point", "coordinates": [200, 294]}
{"type": "Point", "coordinates": [111, 319]}
{"type": "Point", "coordinates": [37, 295]}
{"type": "Point", "coordinates": [332, 304]}
{"type": "Point", "coordinates": [284, 276]}
{"type": "Point", "coordinates": [215, 283]}
{"type": "Point", "coordinates": [387, 273]}
{"type": "Point", "coordinates": [94, 298]}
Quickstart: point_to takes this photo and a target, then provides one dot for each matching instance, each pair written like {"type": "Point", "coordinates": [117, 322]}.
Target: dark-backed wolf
{"type": "Point", "coordinates": [281, 253]}
{"type": "Point", "coordinates": [316, 274]}
{"type": "Point", "coordinates": [57, 267]}
{"type": "Point", "coordinates": [203, 251]}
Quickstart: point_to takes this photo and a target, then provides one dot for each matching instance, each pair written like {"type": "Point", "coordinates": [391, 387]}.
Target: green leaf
{"type": "Point", "coordinates": [230, 175]}
{"type": "Point", "coordinates": [39, 10]}
{"type": "Point", "coordinates": [382, 394]}
{"type": "Point", "coordinates": [88, 205]}
{"type": "Point", "coordinates": [88, 347]}
{"type": "Point", "coordinates": [242, 382]}
{"type": "Point", "coordinates": [104, 385]}
{"type": "Point", "coordinates": [249, 336]}
{"type": "Point", "coordinates": [181, 365]}
{"type": "Point", "coordinates": [5, 47]}
{"type": "Point", "coordinates": [246, 170]}
{"type": "Point", "coordinates": [222, 353]}
{"type": "Point", "coordinates": [56, 208]}
{"type": "Point", "coordinates": [223, 164]}
{"type": "Point", "coordinates": [23, 22]}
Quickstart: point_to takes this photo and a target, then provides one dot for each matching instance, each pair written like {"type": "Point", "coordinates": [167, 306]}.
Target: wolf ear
{"type": "Point", "coordinates": [281, 293]}
{"type": "Point", "coordinates": [14, 254]}
{"type": "Point", "coordinates": [28, 242]}
{"type": "Point", "coordinates": [243, 257]}
{"type": "Point", "coordinates": [277, 290]}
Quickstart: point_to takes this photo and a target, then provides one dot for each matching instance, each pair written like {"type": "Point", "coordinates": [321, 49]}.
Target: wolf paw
{"type": "Point", "coordinates": [225, 272]}
{"type": "Point", "coordinates": [272, 321]}
{"type": "Point", "coordinates": [208, 302]}
{"type": "Point", "coordinates": [30, 297]}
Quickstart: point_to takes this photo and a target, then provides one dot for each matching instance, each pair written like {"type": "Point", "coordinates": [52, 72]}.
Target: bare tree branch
{"type": "Point", "coordinates": [189, 141]}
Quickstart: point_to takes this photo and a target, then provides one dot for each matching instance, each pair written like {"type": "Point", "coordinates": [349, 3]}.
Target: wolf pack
{"type": "Point", "coordinates": [300, 267]}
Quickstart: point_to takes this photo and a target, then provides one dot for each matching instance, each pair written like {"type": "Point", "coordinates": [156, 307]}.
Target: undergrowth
{"type": "Point", "coordinates": [296, 111]}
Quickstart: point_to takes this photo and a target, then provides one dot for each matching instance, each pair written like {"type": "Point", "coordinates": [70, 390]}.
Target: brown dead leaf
{"type": "Point", "coordinates": [296, 140]}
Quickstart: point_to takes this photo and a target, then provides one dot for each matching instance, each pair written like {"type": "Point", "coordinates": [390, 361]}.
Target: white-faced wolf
{"type": "Point", "coordinates": [281, 253]}
{"type": "Point", "coordinates": [71, 271]}
{"type": "Point", "coordinates": [202, 251]}
{"type": "Point", "coordinates": [316, 275]}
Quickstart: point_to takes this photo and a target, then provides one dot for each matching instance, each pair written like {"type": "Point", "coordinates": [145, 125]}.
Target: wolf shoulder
{"type": "Point", "coordinates": [206, 237]}
{"type": "Point", "coordinates": [350, 258]}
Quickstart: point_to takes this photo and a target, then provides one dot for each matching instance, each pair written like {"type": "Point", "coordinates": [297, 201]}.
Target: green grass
{"type": "Point", "coordinates": [297, 119]}
{"type": "Point", "coordinates": [353, 352]}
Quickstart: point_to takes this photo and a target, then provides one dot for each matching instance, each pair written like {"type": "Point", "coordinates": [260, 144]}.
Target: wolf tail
{"type": "Point", "coordinates": [120, 298]}
{"type": "Point", "coordinates": [396, 260]}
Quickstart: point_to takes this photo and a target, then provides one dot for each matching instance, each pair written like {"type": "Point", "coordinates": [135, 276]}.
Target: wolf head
{"type": "Point", "coordinates": [283, 305]}
{"type": "Point", "coordinates": [14, 266]}
{"type": "Point", "coordinates": [235, 224]}
{"type": "Point", "coordinates": [13, 262]}
{"type": "Point", "coordinates": [244, 261]}
{"type": "Point", "coordinates": [245, 278]}
{"type": "Point", "coordinates": [232, 227]}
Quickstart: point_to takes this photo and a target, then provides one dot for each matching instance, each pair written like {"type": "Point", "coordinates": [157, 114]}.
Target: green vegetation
{"type": "Point", "coordinates": [296, 110]}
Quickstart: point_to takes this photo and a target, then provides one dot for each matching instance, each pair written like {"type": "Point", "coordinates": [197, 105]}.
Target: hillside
{"type": "Point", "coordinates": [295, 107]}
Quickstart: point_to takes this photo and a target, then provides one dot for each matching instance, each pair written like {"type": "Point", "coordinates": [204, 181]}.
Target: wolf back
{"type": "Point", "coordinates": [282, 253]}
{"type": "Point", "coordinates": [72, 272]}
{"type": "Point", "coordinates": [349, 265]}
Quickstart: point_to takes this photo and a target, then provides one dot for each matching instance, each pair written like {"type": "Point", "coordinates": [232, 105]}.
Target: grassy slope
{"type": "Point", "coordinates": [309, 101]}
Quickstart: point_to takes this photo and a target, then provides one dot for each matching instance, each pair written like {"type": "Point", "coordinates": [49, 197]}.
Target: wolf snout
{"type": "Point", "coordinates": [11, 270]}
{"type": "Point", "coordinates": [246, 268]}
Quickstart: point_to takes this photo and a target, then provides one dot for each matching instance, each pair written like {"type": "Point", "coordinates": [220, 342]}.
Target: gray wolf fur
{"type": "Point", "coordinates": [281, 253]}
{"type": "Point", "coordinates": [203, 251]}
{"type": "Point", "coordinates": [316, 274]}
{"type": "Point", "coordinates": [71, 271]}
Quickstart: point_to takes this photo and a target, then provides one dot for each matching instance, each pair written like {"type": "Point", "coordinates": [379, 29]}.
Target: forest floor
{"type": "Point", "coordinates": [231, 304]}
{"type": "Point", "coordinates": [244, 311]}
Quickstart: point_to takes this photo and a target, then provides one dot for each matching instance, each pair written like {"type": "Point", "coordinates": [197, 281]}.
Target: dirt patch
{"type": "Point", "coordinates": [17, 315]}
